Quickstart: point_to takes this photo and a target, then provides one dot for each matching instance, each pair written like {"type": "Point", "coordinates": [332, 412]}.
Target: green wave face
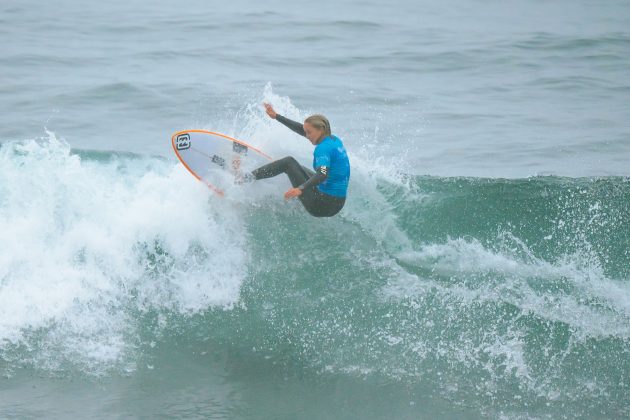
{"type": "Point", "coordinates": [489, 294]}
{"type": "Point", "coordinates": [499, 292]}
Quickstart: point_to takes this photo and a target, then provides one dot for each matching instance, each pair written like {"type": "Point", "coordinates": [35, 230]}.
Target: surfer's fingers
{"type": "Point", "coordinates": [269, 108]}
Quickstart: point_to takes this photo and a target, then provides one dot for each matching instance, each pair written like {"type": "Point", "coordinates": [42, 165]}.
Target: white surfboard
{"type": "Point", "coordinates": [208, 156]}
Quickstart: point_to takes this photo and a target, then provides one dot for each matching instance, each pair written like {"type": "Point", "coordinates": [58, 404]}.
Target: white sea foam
{"type": "Point", "coordinates": [85, 242]}
{"type": "Point", "coordinates": [594, 305]}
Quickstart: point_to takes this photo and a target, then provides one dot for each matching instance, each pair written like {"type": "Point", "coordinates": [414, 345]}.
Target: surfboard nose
{"type": "Point", "coordinates": [203, 153]}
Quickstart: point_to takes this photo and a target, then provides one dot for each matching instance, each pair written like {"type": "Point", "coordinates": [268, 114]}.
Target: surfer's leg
{"type": "Point", "coordinates": [314, 201]}
{"type": "Point", "coordinates": [288, 165]}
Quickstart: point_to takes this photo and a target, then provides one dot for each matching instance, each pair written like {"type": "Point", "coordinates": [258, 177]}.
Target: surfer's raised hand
{"type": "Point", "coordinates": [269, 110]}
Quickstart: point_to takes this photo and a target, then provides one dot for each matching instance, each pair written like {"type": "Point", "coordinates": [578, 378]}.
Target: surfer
{"type": "Point", "coordinates": [322, 191]}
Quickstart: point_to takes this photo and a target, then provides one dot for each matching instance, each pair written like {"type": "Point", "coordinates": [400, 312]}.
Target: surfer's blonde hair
{"type": "Point", "coordinates": [319, 122]}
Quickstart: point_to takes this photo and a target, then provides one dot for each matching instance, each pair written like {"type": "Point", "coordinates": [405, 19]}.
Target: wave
{"type": "Point", "coordinates": [86, 240]}
{"type": "Point", "coordinates": [475, 289]}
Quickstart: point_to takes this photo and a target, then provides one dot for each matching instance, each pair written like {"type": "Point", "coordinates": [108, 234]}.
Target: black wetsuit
{"type": "Point", "coordinates": [316, 202]}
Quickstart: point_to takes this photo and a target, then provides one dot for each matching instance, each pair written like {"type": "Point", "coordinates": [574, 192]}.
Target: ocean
{"type": "Point", "coordinates": [480, 267]}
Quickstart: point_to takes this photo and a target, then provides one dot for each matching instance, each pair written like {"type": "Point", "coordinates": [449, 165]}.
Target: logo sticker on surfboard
{"type": "Point", "coordinates": [182, 142]}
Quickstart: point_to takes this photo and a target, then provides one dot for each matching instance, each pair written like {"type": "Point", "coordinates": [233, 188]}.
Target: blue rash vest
{"type": "Point", "coordinates": [331, 154]}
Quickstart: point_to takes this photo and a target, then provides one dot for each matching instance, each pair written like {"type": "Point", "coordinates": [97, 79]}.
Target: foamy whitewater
{"type": "Point", "coordinates": [480, 268]}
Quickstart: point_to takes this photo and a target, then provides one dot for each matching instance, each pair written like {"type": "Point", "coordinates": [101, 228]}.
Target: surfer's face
{"type": "Point", "coordinates": [312, 133]}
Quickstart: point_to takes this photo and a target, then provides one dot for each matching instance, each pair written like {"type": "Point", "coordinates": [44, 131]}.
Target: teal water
{"type": "Point", "coordinates": [129, 291]}
{"type": "Point", "coordinates": [480, 267]}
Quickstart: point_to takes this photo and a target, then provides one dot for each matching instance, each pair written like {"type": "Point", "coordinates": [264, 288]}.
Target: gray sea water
{"type": "Point", "coordinates": [480, 269]}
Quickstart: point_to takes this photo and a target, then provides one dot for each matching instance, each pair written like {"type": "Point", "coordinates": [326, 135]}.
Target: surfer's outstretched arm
{"type": "Point", "coordinates": [293, 125]}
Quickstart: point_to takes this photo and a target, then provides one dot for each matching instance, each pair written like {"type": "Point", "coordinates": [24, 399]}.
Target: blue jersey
{"type": "Point", "coordinates": [331, 154]}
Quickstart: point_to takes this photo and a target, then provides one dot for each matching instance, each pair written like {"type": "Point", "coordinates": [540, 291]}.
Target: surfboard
{"type": "Point", "coordinates": [209, 156]}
